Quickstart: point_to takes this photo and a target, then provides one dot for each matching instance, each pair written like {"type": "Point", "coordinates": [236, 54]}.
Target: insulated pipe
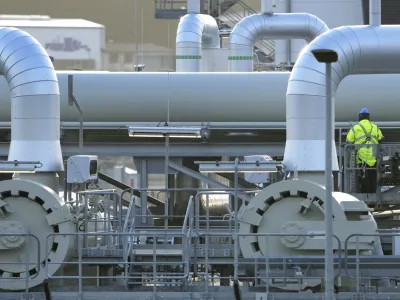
{"type": "Point", "coordinates": [193, 6]}
{"type": "Point", "coordinates": [375, 12]}
{"type": "Point", "coordinates": [35, 98]}
{"type": "Point", "coordinates": [195, 31]}
{"type": "Point", "coordinates": [128, 97]}
{"type": "Point", "coordinates": [265, 6]}
{"type": "Point", "coordinates": [269, 27]}
{"type": "Point", "coordinates": [361, 50]}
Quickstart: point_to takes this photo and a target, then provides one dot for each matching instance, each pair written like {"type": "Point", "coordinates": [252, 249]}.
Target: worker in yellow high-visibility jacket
{"type": "Point", "coordinates": [365, 135]}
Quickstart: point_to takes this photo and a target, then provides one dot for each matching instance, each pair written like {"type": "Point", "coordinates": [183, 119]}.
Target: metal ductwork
{"type": "Point", "coordinates": [361, 50]}
{"type": "Point", "coordinates": [35, 100]}
{"type": "Point", "coordinates": [195, 31]}
{"type": "Point", "coordinates": [268, 26]}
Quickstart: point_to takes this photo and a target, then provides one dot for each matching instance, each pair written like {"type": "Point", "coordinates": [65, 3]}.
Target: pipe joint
{"type": "Point", "coordinates": [35, 97]}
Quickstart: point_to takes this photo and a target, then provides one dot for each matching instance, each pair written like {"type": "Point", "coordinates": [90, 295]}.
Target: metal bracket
{"type": "Point", "coordinates": [28, 296]}
{"type": "Point", "coordinates": [71, 101]}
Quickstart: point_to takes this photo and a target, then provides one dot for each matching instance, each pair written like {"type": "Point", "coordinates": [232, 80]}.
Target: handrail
{"type": "Point", "coordinates": [72, 100]}
{"type": "Point", "coordinates": [187, 214]}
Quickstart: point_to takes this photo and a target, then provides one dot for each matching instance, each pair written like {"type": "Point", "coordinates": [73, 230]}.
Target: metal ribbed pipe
{"type": "Point", "coordinates": [193, 6]}
{"type": "Point", "coordinates": [35, 98]}
{"type": "Point", "coordinates": [265, 6]}
{"type": "Point", "coordinates": [195, 31]}
{"type": "Point", "coordinates": [361, 50]}
{"type": "Point", "coordinates": [375, 12]}
{"type": "Point", "coordinates": [269, 27]}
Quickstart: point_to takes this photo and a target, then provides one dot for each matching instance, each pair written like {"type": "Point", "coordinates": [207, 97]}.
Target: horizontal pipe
{"type": "Point", "coordinates": [232, 97]}
{"type": "Point", "coordinates": [211, 125]}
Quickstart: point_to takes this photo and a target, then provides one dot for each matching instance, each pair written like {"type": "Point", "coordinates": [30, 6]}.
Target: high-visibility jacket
{"type": "Point", "coordinates": [365, 133]}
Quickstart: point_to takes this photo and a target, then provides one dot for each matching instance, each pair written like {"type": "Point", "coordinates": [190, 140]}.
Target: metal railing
{"type": "Point", "coordinates": [142, 255]}
{"type": "Point", "coordinates": [25, 260]}
{"type": "Point", "coordinates": [386, 168]}
{"type": "Point", "coordinates": [166, 266]}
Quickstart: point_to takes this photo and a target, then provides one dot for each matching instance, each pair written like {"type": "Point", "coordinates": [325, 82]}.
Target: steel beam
{"type": "Point", "coordinates": [176, 149]}
{"type": "Point", "coordinates": [205, 179]}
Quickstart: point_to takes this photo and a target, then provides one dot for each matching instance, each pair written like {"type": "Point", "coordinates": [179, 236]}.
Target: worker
{"type": "Point", "coordinates": [365, 135]}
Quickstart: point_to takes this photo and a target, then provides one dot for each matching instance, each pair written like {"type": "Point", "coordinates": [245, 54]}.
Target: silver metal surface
{"type": "Point", "coordinates": [131, 97]}
{"type": "Point", "coordinates": [35, 98]}
{"type": "Point", "coordinates": [195, 31]}
{"type": "Point", "coordinates": [267, 27]}
{"type": "Point", "coordinates": [140, 149]}
{"type": "Point", "coordinates": [361, 50]}
{"type": "Point", "coordinates": [210, 125]}
{"type": "Point", "coordinates": [266, 6]}
{"type": "Point", "coordinates": [329, 267]}
{"type": "Point", "coordinates": [375, 12]}
{"type": "Point", "coordinates": [193, 6]}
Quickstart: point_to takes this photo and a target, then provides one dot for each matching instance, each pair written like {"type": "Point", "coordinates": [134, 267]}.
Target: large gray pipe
{"type": "Point", "coordinates": [361, 50]}
{"type": "Point", "coordinates": [202, 97]}
{"type": "Point", "coordinates": [195, 31]}
{"type": "Point", "coordinates": [267, 27]}
{"type": "Point", "coordinates": [35, 97]}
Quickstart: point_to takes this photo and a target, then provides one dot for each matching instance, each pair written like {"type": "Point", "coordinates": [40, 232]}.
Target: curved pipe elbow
{"type": "Point", "coordinates": [277, 26]}
{"type": "Point", "coordinates": [269, 27]}
{"type": "Point", "coordinates": [361, 50]}
{"type": "Point", "coordinates": [35, 96]}
{"type": "Point", "coordinates": [195, 31]}
{"type": "Point", "coordinates": [199, 29]}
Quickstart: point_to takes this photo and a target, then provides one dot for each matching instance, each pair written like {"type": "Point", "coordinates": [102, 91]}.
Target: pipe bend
{"type": "Point", "coordinates": [356, 47]}
{"type": "Point", "coordinates": [361, 50]}
{"type": "Point", "coordinates": [200, 29]}
{"type": "Point", "coordinates": [259, 27]}
{"type": "Point", "coordinates": [35, 97]}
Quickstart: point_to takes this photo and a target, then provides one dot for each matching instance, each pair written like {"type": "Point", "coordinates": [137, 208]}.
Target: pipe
{"type": "Point", "coordinates": [260, 27]}
{"type": "Point", "coordinates": [193, 94]}
{"type": "Point", "coordinates": [361, 50]}
{"type": "Point", "coordinates": [35, 97]}
{"type": "Point", "coordinates": [265, 7]}
{"type": "Point", "coordinates": [193, 6]}
{"type": "Point", "coordinates": [375, 12]}
{"type": "Point", "coordinates": [288, 42]}
{"type": "Point", "coordinates": [211, 125]}
{"type": "Point", "coordinates": [195, 31]}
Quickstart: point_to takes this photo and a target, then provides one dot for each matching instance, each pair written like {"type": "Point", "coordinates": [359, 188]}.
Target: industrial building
{"type": "Point", "coordinates": [227, 167]}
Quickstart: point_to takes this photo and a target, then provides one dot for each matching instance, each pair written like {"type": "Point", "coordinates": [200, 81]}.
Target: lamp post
{"type": "Point", "coordinates": [328, 57]}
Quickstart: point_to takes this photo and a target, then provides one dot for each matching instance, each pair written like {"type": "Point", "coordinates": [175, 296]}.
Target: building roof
{"type": "Point", "coordinates": [45, 21]}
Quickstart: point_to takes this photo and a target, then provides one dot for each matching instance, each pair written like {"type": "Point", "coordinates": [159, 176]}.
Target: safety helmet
{"type": "Point", "coordinates": [364, 111]}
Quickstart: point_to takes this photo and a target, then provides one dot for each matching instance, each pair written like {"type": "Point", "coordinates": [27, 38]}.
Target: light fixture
{"type": "Point", "coordinates": [242, 167]}
{"type": "Point", "coordinates": [163, 131]}
{"type": "Point", "coordinates": [241, 134]}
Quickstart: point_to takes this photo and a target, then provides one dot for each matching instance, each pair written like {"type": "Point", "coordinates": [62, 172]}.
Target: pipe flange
{"type": "Point", "coordinates": [253, 216]}
{"type": "Point", "coordinates": [42, 212]}
{"type": "Point", "coordinates": [12, 241]}
{"type": "Point", "coordinates": [292, 241]}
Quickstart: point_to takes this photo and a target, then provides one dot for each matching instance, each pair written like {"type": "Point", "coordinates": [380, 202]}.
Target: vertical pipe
{"type": "Point", "coordinates": [375, 12]}
{"type": "Point", "coordinates": [236, 236]}
{"type": "Point", "coordinates": [193, 6]}
{"type": "Point", "coordinates": [265, 7]}
{"type": "Point", "coordinates": [166, 201]}
{"type": "Point", "coordinates": [329, 275]}
{"type": "Point", "coordinates": [288, 42]}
